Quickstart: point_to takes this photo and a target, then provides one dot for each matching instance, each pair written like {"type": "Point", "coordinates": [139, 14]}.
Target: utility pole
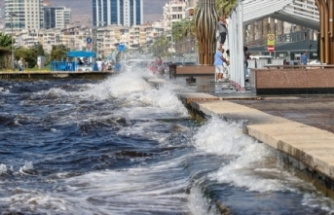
{"type": "Point", "coordinates": [12, 26]}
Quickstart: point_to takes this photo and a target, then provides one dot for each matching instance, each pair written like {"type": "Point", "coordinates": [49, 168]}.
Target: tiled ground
{"type": "Point", "coordinates": [314, 111]}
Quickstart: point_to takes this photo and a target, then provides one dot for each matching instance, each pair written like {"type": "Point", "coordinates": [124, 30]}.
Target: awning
{"type": "Point", "coordinates": [80, 54]}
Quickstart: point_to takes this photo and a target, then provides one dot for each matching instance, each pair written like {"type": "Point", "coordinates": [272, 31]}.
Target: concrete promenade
{"type": "Point", "coordinates": [299, 127]}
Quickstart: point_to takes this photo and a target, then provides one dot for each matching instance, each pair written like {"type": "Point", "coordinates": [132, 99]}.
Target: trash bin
{"type": "Point", "coordinates": [172, 71]}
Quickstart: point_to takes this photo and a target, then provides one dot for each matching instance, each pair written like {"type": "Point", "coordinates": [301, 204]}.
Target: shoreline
{"type": "Point", "coordinates": [305, 149]}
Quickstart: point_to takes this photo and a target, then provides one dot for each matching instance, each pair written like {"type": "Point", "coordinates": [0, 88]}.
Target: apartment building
{"type": "Point", "coordinates": [173, 11]}
{"type": "Point", "coordinates": [117, 12]}
{"type": "Point", "coordinates": [24, 14]}
{"type": "Point", "coordinates": [56, 17]}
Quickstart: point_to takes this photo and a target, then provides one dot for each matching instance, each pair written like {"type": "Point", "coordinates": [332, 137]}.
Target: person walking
{"type": "Point", "coordinates": [218, 63]}
{"type": "Point", "coordinates": [21, 64]}
{"type": "Point", "coordinates": [304, 58]}
{"type": "Point", "coordinates": [222, 27]}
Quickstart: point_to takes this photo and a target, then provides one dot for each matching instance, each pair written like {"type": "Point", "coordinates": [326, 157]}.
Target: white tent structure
{"type": "Point", "coordinates": [300, 12]}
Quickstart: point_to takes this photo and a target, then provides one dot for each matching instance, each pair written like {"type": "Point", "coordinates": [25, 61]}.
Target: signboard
{"type": "Point", "coordinates": [270, 39]}
{"type": "Point", "coordinates": [89, 40]}
{"type": "Point", "coordinates": [121, 47]}
{"type": "Point", "coordinates": [271, 48]}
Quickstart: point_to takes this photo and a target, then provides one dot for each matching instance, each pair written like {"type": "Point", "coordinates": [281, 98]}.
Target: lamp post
{"type": "Point", "coordinates": [12, 26]}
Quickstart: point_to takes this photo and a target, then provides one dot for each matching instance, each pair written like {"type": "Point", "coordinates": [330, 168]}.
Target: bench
{"type": "Point", "coordinates": [193, 70]}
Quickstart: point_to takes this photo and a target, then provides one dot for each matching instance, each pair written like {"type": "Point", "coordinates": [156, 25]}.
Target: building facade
{"type": "Point", "coordinates": [117, 12]}
{"type": "Point", "coordinates": [56, 17]}
{"type": "Point", "coordinates": [173, 11]}
{"type": "Point", "coordinates": [24, 14]}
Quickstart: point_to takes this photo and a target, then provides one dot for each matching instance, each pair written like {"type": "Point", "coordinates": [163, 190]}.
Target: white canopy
{"type": "Point", "coordinates": [304, 13]}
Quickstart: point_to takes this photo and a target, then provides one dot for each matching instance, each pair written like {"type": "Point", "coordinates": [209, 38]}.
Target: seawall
{"type": "Point", "coordinates": [308, 149]}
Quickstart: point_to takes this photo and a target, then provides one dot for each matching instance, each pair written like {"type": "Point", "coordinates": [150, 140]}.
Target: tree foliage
{"type": "Point", "coordinates": [160, 46]}
{"type": "Point", "coordinates": [182, 29]}
{"type": "Point", "coordinates": [28, 54]}
{"type": "Point", "coordinates": [6, 43]}
{"type": "Point", "coordinates": [58, 52]}
{"type": "Point", "coordinates": [6, 40]}
{"type": "Point", "coordinates": [224, 7]}
{"type": "Point", "coordinates": [40, 50]}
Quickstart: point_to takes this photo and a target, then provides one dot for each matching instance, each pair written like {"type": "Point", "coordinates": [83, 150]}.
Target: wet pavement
{"type": "Point", "coordinates": [313, 110]}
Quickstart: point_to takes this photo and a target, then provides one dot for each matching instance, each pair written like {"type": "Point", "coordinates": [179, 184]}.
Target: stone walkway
{"type": "Point", "coordinates": [313, 111]}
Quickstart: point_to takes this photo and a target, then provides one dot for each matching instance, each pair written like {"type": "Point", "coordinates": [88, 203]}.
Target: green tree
{"type": "Point", "coordinates": [58, 52]}
{"type": "Point", "coordinates": [160, 46]}
{"type": "Point", "coordinates": [28, 54]}
{"type": "Point", "coordinates": [40, 50]}
{"type": "Point", "coordinates": [6, 44]}
{"type": "Point", "coordinates": [182, 29]}
{"type": "Point", "coordinates": [224, 7]}
{"type": "Point", "coordinates": [5, 40]}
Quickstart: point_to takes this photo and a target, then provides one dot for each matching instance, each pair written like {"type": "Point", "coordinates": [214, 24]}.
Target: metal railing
{"type": "Point", "coordinates": [282, 39]}
{"type": "Point", "coordinates": [183, 50]}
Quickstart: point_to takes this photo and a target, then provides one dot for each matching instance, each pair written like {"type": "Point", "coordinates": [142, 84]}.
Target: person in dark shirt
{"type": "Point", "coordinates": [222, 27]}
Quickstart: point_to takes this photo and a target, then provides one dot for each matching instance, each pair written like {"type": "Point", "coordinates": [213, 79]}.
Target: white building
{"type": "Point", "coordinates": [173, 11]}
{"type": "Point", "coordinates": [27, 14]}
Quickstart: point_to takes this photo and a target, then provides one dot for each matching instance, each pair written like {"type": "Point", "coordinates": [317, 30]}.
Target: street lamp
{"type": "Point", "coordinates": [12, 26]}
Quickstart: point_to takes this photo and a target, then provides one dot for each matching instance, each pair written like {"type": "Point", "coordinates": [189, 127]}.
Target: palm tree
{"type": "Point", "coordinates": [5, 40]}
{"type": "Point", "coordinates": [225, 7]}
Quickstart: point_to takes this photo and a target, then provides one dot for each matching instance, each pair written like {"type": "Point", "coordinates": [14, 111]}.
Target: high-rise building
{"type": "Point", "coordinates": [120, 12]}
{"type": "Point", "coordinates": [24, 14]}
{"type": "Point", "coordinates": [56, 17]}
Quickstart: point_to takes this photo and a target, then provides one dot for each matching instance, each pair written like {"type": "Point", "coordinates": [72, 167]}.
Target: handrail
{"type": "Point", "coordinates": [282, 39]}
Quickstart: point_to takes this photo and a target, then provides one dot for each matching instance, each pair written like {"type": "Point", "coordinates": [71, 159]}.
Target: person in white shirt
{"type": "Point", "coordinates": [99, 63]}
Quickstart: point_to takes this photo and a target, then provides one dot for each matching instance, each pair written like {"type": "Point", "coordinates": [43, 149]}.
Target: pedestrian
{"type": "Point", "coordinates": [246, 57]}
{"type": "Point", "coordinates": [21, 64]}
{"type": "Point", "coordinates": [304, 58]}
{"type": "Point", "coordinates": [159, 64]}
{"type": "Point", "coordinates": [222, 27]}
{"type": "Point", "coordinates": [219, 68]}
{"type": "Point", "coordinates": [226, 67]}
{"type": "Point", "coordinates": [99, 64]}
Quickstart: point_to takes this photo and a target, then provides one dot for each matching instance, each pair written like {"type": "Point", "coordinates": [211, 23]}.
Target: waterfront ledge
{"type": "Point", "coordinates": [307, 149]}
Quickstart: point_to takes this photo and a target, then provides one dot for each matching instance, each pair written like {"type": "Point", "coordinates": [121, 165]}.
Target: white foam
{"type": "Point", "coordinates": [157, 189]}
{"type": "Point", "coordinates": [200, 205]}
{"type": "Point", "coordinates": [3, 169]}
{"type": "Point", "coordinates": [120, 85]}
{"type": "Point", "coordinates": [220, 137]}
{"type": "Point", "coordinates": [53, 92]}
{"type": "Point", "coordinates": [250, 163]}
{"type": "Point", "coordinates": [27, 166]}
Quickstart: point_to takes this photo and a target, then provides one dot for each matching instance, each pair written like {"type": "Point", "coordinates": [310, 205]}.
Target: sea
{"type": "Point", "coordinates": [121, 146]}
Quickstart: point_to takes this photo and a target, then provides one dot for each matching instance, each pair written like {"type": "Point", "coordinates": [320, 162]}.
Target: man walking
{"type": "Point", "coordinates": [222, 30]}
{"type": "Point", "coordinates": [304, 58]}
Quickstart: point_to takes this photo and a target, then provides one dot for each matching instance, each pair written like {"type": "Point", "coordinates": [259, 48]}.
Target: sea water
{"type": "Point", "coordinates": [121, 146]}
